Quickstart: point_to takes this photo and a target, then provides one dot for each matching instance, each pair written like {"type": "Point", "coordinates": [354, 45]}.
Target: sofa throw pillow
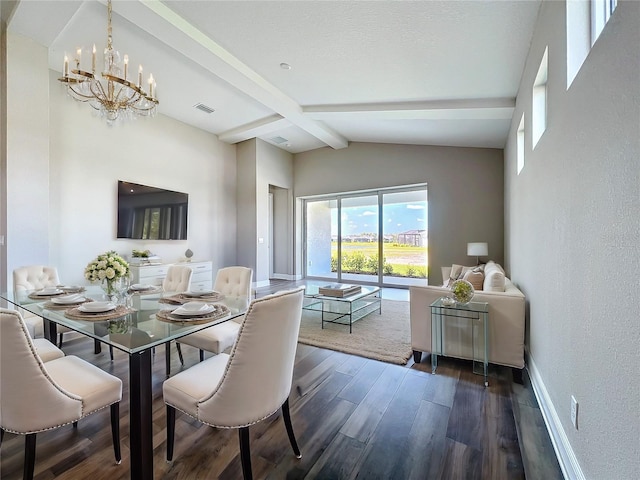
{"type": "Point", "coordinates": [475, 278]}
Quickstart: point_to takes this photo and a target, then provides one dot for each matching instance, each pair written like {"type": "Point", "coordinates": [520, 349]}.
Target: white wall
{"type": "Point", "coordinates": [464, 190]}
{"type": "Point", "coordinates": [64, 176]}
{"type": "Point", "coordinates": [573, 243]}
{"type": "Point", "coordinates": [28, 167]}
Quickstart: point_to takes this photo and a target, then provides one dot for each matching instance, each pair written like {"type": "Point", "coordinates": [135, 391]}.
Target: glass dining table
{"type": "Point", "coordinates": [145, 324]}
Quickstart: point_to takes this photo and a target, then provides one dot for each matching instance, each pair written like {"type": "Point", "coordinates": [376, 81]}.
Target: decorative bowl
{"type": "Point", "coordinates": [462, 291]}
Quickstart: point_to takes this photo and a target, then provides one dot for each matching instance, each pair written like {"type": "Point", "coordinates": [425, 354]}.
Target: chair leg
{"type": "Point", "coordinates": [111, 352]}
{"type": "Point", "coordinates": [245, 453]}
{"type": "Point", "coordinates": [115, 431]}
{"type": "Point", "coordinates": [171, 431]}
{"type": "Point", "coordinates": [59, 340]}
{"type": "Point", "coordinates": [287, 423]}
{"type": "Point", "coordinates": [202, 355]}
{"type": "Point", "coordinates": [29, 456]}
{"type": "Point", "coordinates": [1, 435]}
{"type": "Point", "coordinates": [75, 425]}
{"type": "Point", "coordinates": [180, 353]}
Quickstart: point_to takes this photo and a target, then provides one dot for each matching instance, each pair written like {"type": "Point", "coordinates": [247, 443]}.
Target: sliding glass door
{"type": "Point", "coordinates": [375, 237]}
{"type": "Point", "coordinates": [359, 246]}
{"type": "Point", "coordinates": [404, 229]}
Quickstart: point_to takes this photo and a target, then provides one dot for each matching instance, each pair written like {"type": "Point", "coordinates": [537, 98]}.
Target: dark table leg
{"type": "Point", "coordinates": [51, 329]}
{"type": "Point", "coordinates": [141, 426]}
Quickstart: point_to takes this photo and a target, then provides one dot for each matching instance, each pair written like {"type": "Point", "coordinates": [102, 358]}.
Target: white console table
{"type": "Point", "coordinates": [202, 278]}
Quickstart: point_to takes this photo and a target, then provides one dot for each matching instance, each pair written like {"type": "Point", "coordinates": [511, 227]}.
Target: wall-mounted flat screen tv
{"type": "Point", "coordinates": [151, 213]}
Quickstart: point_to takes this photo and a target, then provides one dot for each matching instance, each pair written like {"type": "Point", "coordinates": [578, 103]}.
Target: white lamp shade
{"type": "Point", "coordinates": [477, 249]}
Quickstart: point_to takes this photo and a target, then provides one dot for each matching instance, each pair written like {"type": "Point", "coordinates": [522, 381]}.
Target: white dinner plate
{"type": "Point", "coordinates": [68, 299]}
{"type": "Point", "coordinates": [200, 293]}
{"type": "Point", "coordinates": [191, 309]}
{"type": "Point", "coordinates": [97, 307]}
{"type": "Point", "coordinates": [139, 287]}
{"type": "Point", "coordinates": [49, 291]}
{"type": "Point", "coordinates": [70, 288]}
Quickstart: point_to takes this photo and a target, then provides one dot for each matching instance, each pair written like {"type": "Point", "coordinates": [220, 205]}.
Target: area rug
{"type": "Point", "coordinates": [384, 337]}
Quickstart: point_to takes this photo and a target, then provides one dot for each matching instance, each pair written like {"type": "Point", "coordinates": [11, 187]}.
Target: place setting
{"type": "Point", "coordinates": [47, 292]}
{"type": "Point", "coordinates": [143, 289]}
{"type": "Point", "coordinates": [66, 301]}
{"type": "Point", "coordinates": [97, 310]}
{"type": "Point", "coordinates": [193, 295]}
{"type": "Point", "coordinates": [194, 312]}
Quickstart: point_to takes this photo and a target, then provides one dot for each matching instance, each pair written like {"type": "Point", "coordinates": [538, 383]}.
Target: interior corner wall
{"type": "Point", "coordinates": [64, 163]}
{"type": "Point", "coordinates": [274, 167]}
{"type": "Point", "coordinates": [246, 200]}
{"type": "Point", "coordinates": [260, 166]}
{"type": "Point", "coordinates": [465, 190]}
{"type": "Point", "coordinates": [573, 237]}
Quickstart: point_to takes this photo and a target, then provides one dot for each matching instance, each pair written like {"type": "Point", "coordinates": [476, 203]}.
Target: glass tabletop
{"type": "Point", "coordinates": [482, 307]}
{"type": "Point", "coordinates": [312, 291]}
{"type": "Point", "coordinates": [132, 332]}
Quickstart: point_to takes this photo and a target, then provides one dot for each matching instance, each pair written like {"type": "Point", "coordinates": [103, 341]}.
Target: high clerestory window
{"type": "Point", "coordinates": [585, 21]}
{"type": "Point", "coordinates": [520, 145]}
{"type": "Point", "coordinates": [539, 100]}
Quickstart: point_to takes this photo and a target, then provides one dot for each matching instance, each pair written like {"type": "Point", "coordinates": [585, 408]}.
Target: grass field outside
{"type": "Point", "coordinates": [399, 260]}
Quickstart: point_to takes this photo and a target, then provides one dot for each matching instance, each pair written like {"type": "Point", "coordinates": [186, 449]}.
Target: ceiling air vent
{"type": "Point", "coordinates": [278, 140]}
{"type": "Point", "coordinates": [204, 108]}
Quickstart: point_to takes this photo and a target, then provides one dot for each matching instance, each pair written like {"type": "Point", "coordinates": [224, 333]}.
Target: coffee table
{"type": "Point", "coordinates": [343, 310]}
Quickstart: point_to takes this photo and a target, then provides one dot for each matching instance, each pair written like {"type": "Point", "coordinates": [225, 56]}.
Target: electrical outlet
{"type": "Point", "coordinates": [574, 412]}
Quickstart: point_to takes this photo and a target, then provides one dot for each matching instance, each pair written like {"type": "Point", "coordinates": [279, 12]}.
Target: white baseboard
{"type": "Point", "coordinates": [566, 457]}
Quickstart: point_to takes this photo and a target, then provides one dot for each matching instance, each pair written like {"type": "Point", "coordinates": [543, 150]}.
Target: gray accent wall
{"type": "Point", "coordinates": [465, 190]}
{"type": "Point", "coordinates": [573, 243]}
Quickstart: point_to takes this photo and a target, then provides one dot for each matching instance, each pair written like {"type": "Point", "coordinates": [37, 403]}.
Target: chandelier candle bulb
{"type": "Point", "coordinates": [126, 66]}
{"type": "Point", "coordinates": [140, 76]}
{"type": "Point", "coordinates": [93, 59]}
{"type": "Point", "coordinates": [66, 66]}
{"type": "Point", "coordinates": [78, 58]}
{"type": "Point", "coordinates": [151, 85]}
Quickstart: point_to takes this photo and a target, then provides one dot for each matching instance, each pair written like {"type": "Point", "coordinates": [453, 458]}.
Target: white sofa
{"type": "Point", "coordinates": [506, 323]}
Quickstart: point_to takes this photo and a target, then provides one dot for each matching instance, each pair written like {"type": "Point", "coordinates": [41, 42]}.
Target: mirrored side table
{"type": "Point", "coordinates": [477, 315]}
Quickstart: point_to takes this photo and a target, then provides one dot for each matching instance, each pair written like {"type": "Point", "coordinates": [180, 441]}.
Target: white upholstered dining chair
{"type": "Point", "coordinates": [38, 396]}
{"type": "Point", "coordinates": [231, 281]}
{"type": "Point", "coordinates": [247, 386]}
{"type": "Point", "coordinates": [36, 277]}
{"type": "Point", "coordinates": [178, 279]}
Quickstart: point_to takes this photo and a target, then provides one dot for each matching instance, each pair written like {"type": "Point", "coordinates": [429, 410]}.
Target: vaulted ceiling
{"type": "Point", "coordinates": [410, 72]}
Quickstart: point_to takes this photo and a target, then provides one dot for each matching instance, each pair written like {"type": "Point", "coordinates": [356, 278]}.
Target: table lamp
{"type": "Point", "coordinates": [477, 249]}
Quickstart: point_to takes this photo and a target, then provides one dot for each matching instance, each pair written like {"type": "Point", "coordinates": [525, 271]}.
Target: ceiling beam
{"type": "Point", "coordinates": [480, 108]}
{"type": "Point", "coordinates": [256, 129]}
{"type": "Point", "coordinates": [195, 45]}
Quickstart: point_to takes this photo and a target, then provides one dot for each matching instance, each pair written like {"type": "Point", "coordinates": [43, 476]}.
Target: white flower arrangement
{"type": "Point", "coordinates": [107, 267]}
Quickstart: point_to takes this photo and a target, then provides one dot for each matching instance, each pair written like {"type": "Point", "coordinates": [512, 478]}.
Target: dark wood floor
{"type": "Point", "coordinates": [353, 418]}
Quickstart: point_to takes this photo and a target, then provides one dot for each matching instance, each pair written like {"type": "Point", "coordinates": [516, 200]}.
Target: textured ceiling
{"type": "Point", "coordinates": [415, 72]}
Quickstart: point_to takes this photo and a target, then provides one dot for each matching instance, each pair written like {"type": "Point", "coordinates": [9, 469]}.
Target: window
{"type": "Point", "coordinates": [601, 11]}
{"type": "Point", "coordinates": [539, 100]}
{"type": "Point", "coordinates": [520, 145]}
{"type": "Point", "coordinates": [585, 21]}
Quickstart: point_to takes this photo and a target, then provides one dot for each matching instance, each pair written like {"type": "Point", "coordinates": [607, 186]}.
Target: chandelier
{"type": "Point", "coordinates": [115, 96]}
